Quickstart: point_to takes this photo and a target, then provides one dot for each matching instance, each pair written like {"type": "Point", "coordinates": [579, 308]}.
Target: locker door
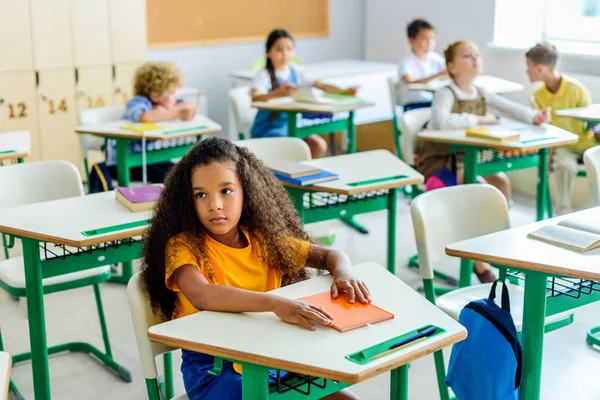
{"type": "Point", "coordinates": [15, 31]}
{"type": "Point", "coordinates": [51, 28]}
{"type": "Point", "coordinates": [89, 25]}
{"type": "Point", "coordinates": [94, 87]}
{"type": "Point", "coordinates": [127, 26]}
{"type": "Point", "coordinates": [18, 107]}
{"type": "Point", "coordinates": [123, 83]}
{"type": "Point", "coordinates": [57, 119]}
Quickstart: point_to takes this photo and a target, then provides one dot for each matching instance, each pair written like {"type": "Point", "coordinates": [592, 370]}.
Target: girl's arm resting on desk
{"type": "Point", "coordinates": [339, 266]}
{"type": "Point", "coordinates": [206, 296]}
{"type": "Point", "coordinates": [510, 108]}
{"type": "Point", "coordinates": [333, 89]}
{"type": "Point", "coordinates": [184, 110]}
{"type": "Point", "coordinates": [284, 90]}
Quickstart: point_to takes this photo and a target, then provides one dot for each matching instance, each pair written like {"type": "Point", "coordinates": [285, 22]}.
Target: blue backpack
{"type": "Point", "coordinates": [488, 364]}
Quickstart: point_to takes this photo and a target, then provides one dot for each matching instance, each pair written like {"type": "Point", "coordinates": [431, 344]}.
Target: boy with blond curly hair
{"type": "Point", "coordinates": [154, 87]}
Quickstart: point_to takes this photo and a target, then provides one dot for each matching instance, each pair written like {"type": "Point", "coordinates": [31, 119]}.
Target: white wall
{"type": "Point", "coordinates": [207, 67]}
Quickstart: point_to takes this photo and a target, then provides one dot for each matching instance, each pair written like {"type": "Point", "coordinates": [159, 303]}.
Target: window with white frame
{"type": "Point", "coordinates": [572, 25]}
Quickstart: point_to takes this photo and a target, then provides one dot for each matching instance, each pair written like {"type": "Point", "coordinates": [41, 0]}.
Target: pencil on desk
{"type": "Point", "coordinates": [398, 348]}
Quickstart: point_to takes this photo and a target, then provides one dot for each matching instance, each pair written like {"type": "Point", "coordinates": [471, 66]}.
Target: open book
{"type": "Point", "coordinates": [572, 234]}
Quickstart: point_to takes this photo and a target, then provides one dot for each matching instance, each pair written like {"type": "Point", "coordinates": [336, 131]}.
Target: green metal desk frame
{"type": "Point", "coordinates": [317, 206]}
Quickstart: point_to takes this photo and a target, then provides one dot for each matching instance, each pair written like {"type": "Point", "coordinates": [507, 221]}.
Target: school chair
{"type": "Point", "coordinates": [261, 63]}
{"type": "Point", "coordinates": [393, 87]}
{"type": "Point", "coordinates": [143, 318]}
{"type": "Point", "coordinates": [243, 113]}
{"type": "Point", "coordinates": [591, 160]}
{"type": "Point", "coordinates": [95, 116]}
{"type": "Point", "coordinates": [467, 211]}
{"type": "Point", "coordinates": [294, 149]}
{"type": "Point", "coordinates": [36, 182]}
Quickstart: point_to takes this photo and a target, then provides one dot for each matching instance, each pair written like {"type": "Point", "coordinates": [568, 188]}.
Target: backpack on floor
{"type": "Point", "coordinates": [488, 364]}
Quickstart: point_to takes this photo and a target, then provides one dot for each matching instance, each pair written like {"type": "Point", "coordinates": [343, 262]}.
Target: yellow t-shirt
{"type": "Point", "coordinates": [240, 268]}
{"type": "Point", "coordinates": [570, 94]}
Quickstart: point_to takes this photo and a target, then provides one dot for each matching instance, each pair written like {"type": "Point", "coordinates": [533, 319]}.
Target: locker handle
{"type": "Point", "coordinates": [43, 96]}
{"type": "Point", "coordinates": [82, 92]}
{"type": "Point", "coordinates": [2, 99]}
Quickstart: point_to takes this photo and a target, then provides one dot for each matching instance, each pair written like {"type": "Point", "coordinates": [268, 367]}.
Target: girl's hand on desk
{"type": "Point", "coordinates": [344, 281]}
{"type": "Point", "coordinates": [542, 116]}
{"type": "Point", "coordinates": [488, 121]}
{"type": "Point", "coordinates": [350, 91]}
{"type": "Point", "coordinates": [300, 313]}
{"type": "Point", "coordinates": [186, 110]}
{"type": "Point", "coordinates": [286, 89]}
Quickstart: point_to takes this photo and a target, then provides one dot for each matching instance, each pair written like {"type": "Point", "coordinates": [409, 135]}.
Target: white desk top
{"type": "Point", "coordinates": [513, 248]}
{"type": "Point", "coordinates": [63, 221]}
{"type": "Point", "coordinates": [200, 125]}
{"type": "Point", "coordinates": [363, 167]}
{"type": "Point", "coordinates": [17, 143]}
{"type": "Point", "coordinates": [587, 113]}
{"type": "Point", "coordinates": [488, 82]}
{"type": "Point", "coordinates": [5, 362]}
{"type": "Point", "coordinates": [331, 69]}
{"type": "Point", "coordinates": [538, 137]}
{"type": "Point", "coordinates": [288, 104]}
{"type": "Point", "coordinates": [262, 338]}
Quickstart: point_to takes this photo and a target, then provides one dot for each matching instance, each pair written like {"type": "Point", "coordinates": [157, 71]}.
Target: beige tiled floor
{"type": "Point", "coordinates": [570, 366]}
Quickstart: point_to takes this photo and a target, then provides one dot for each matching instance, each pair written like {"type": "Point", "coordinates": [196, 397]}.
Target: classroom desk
{"type": "Point", "coordinates": [294, 109]}
{"type": "Point", "coordinates": [545, 292]}
{"type": "Point", "coordinates": [5, 362]}
{"type": "Point", "coordinates": [14, 146]}
{"type": "Point", "coordinates": [64, 236]}
{"type": "Point", "coordinates": [478, 163]}
{"type": "Point", "coordinates": [490, 83]}
{"type": "Point", "coordinates": [319, 353]}
{"type": "Point", "coordinates": [175, 129]}
{"type": "Point", "coordinates": [367, 182]}
{"type": "Point", "coordinates": [589, 114]}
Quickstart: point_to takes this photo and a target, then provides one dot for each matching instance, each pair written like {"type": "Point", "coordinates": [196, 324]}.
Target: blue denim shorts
{"type": "Point", "coordinates": [200, 385]}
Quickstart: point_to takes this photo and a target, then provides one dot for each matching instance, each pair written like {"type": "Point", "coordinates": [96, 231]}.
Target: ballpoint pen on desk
{"type": "Point", "coordinates": [418, 337]}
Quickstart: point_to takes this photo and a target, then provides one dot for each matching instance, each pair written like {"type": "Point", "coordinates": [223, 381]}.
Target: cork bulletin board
{"type": "Point", "coordinates": [184, 23]}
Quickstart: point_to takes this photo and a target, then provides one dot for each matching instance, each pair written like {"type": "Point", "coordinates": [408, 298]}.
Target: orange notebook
{"type": "Point", "coordinates": [348, 316]}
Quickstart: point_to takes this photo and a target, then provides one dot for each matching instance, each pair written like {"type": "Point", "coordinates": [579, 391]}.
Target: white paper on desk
{"type": "Point", "coordinates": [282, 100]}
{"type": "Point", "coordinates": [307, 94]}
{"type": "Point", "coordinates": [528, 132]}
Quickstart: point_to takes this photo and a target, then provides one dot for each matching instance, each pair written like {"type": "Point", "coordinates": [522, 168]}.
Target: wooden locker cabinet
{"type": "Point", "coordinates": [89, 26]}
{"type": "Point", "coordinates": [15, 34]}
{"type": "Point", "coordinates": [18, 107]}
{"type": "Point", "coordinates": [127, 30]}
{"type": "Point", "coordinates": [93, 88]}
{"type": "Point", "coordinates": [58, 116]}
{"type": "Point", "coordinates": [123, 83]}
{"type": "Point", "coordinates": [51, 28]}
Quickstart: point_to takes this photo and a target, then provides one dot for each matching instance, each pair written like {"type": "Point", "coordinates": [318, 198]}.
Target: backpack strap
{"type": "Point", "coordinates": [505, 301]}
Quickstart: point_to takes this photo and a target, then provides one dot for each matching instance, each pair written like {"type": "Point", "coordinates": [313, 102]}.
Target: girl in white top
{"type": "Point", "coordinates": [463, 105]}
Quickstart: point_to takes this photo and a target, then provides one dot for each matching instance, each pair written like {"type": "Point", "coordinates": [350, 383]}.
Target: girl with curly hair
{"type": "Point", "coordinates": [223, 233]}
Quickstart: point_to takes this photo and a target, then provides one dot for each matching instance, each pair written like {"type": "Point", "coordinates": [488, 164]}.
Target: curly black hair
{"type": "Point", "coordinates": [267, 213]}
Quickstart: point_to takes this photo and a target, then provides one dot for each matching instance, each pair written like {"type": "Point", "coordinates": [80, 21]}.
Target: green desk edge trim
{"type": "Point", "coordinates": [365, 356]}
{"type": "Point", "coordinates": [377, 180]}
{"type": "Point", "coordinates": [169, 132]}
{"type": "Point", "coordinates": [115, 228]}
{"type": "Point", "coordinates": [7, 151]}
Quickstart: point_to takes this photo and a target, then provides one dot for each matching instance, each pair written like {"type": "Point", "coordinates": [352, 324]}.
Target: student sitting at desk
{"type": "Point", "coordinates": [223, 233]}
{"type": "Point", "coordinates": [281, 79]}
{"type": "Point", "coordinates": [463, 105]}
{"type": "Point", "coordinates": [421, 65]}
{"type": "Point", "coordinates": [154, 87]}
{"type": "Point", "coordinates": [559, 92]}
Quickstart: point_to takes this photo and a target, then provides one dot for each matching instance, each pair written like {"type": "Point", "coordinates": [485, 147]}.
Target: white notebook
{"type": "Point", "coordinates": [572, 234]}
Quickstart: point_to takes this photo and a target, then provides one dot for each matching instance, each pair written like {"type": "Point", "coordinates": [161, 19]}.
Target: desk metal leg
{"type": "Point", "coordinates": [255, 382]}
{"type": "Point", "coordinates": [543, 205]}
{"type": "Point", "coordinates": [466, 273]}
{"type": "Point", "coordinates": [399, 383]}
{"type": "Point", "coordinates": [351, 133]}
{"type": "Point", "coordinates": [470, 165]}
{"type": "Point", "coordinates": [292, 119]}
{"type": "Point", "coordinates": [126, 273]}
{"type": "Point", "coordinates": [534, 313]}
{"type": "Point", "coordinates": [37, 322]}
{"type": "Point", "coordinates": [391, 242]}
{"type": "Point", "coordinates": [123, 175]}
